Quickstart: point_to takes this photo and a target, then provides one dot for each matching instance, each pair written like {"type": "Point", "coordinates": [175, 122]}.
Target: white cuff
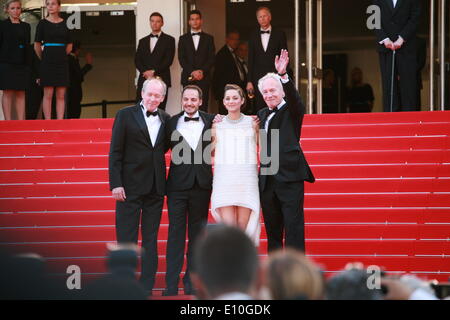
{"type": "Point", "coordinates": [420, 294]}
{"type": "Point", "coordinates": [285, 80]}
{"type": "Point", "coordinates": [382, 41]}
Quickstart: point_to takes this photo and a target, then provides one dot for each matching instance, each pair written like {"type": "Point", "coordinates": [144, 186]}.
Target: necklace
{"type": "Point", "coordinates": [235, 121]}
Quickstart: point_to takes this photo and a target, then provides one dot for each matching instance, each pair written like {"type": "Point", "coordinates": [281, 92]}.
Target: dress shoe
{"type": "Point", "coordinates": [170, 292]}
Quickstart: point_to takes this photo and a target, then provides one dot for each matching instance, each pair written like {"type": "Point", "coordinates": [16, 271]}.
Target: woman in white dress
{"type": "Point", "coordinates": [235, 194]}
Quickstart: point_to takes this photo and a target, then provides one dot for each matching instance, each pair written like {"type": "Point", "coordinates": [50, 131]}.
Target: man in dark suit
{"type": "Point", "coordinates": [76, 73]}
{"type": "Point", "coordinates": [137, 173]}
{"type": "Point", "coordinates": [399, 23]}
{"type": "Point", "coordinates": [154, 56]}
{"type": "Point", "coordinates": [189, 184]}
{"type": "Point", "coordinates": [283, 165]}
{"type": "Point", "coordinates": [228, 69]}
{"type": "Point", "coordinates": [264, 44]}
{"type": "Point", "coordinates": [196, 55]}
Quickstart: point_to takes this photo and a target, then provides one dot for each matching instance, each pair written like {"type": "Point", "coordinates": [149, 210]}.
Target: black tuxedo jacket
{"type": "Point", "coordinates": [226, 72]}
{"type": "Point", "coordinates": [403, 20]}
{"type": "Point", "coordinates": [261, 62]}
{"type": "Point", "coordinates": [288, 121]}
{"type": "Point", "coordinates": [134, 163]}
{"type": "Point", "coordinates": [200, 59]}
{"type": "Point", "coordinates": [159, 60]}
{"type": "Point", "coordinates": [183, 176]}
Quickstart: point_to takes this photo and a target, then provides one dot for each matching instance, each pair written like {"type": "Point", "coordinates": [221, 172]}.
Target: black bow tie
{"type": "Point", "coordinates": [186, 119]}
{"type": "Point", "coordinates": [154, 36]}
{"type": "Point", "coordinates": [274, 110]}
{"type": "Point", "coordinates": [267, 31]}
{"type": "Point", "coordinates": [195, 33]}
{"type": "Point", "coordinates": [154, 113]}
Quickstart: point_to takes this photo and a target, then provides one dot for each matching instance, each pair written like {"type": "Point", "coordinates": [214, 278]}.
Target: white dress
{"type": "Point", "coordinates": [235, 180]}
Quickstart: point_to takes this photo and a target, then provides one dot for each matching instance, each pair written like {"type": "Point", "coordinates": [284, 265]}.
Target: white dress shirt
{"type": "Point", "coordinates": [266, 124]}
{"type": "Point", "coordinates": [153, 41]}
{"type": "Point", "coordinates": [191, 130]}
{"type": "Point", "coordinates": [265, 38]}
{"type": "Point", "coordinates": [196, 39]}
{"type": "Point", "coordinates": [153, 125]}
{"type": "Point", "coordinates": [394, 2]}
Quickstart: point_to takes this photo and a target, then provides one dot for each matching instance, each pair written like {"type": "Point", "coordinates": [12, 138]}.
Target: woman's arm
{"type": "Point", "coordinates": [38, 49]}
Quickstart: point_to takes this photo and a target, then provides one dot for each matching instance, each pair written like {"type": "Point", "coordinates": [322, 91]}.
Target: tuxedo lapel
{"type": "Point", "coordinates": [264, 118]}
{"type": "Point", "coordinates": [159, 43]}
{"type": "Point", "coordinates": [277, 116]}
{"type": "Point", "coordinates": [161, 128]}
{"type": "Point", "coordinates": [390, 4]}
{"type": "Point", "coordinates": [139, 117]}
{"type": "Point", "coordinates": [397, 6]}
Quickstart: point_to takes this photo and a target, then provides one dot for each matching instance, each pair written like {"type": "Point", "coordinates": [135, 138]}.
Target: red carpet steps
{"type": "Point", "coordinates": [382, 194]}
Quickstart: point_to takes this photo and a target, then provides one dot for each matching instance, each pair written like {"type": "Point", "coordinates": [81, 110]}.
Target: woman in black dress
{"type": "Point", "coordinates": [53, 34]}
{"type": "Point", "coordinates": [14, 62]}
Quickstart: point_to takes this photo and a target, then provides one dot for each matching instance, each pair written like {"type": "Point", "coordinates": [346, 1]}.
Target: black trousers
{"type": "Point", "coordinates": [188, 207]}
{"type": "Point", "coordinates": [145, 209]}
{"type": "Point", "coordinates": [282, 206]}
{"type": "Point", "coordinates": [405, 80]}
{"type": "Point", "coordinates": [74, 97]}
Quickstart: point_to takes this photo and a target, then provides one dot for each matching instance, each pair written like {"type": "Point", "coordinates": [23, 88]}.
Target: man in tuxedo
{"type": "Point", "coordinates": [399, 23]}
{"type": "Point", "coordinates": [228, 69]}
{"type": "Point", "coordinates": [137, 173]}
{"type": "Point", "coordinates": [264, 44]}
{"type": "Point", "coordinates": [281, 180]}
{"type": "Point", "coordinates": [154, 56]}
{"type": "Point", "coordinates": [189, 184]}
{"type": "Point", "coordinates": [76, 73]}
{"type": "Point", "coordinates": [196, 55]}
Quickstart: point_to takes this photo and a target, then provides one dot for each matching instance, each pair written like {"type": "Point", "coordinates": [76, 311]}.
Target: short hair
{"type": "Point", "coordinates": [193, 87]}
{"type": "Point", "coordinates": [225, 260]}
{"type": "Point", "coordinates": [351, 285]}
{"type": "Point", "coordinates": [263, 8]}
{"type": "Point", "coordinates": [195, 12]}
{"type": "Point", "coordinates": [157, 79]}
{"type": "Point", "coordinates": [291, 275]}
{"type": "Point", "coordinates": [270, 75]}
{"type": "Point", "coordinates": [237, 88]}
{"type": "Point", "coordinates": [8, 3]}
{"type": "Point", "coordinates": [156, 14]}
{"type": "Point", "coordinates": [232, 31]}
{"type": "Point", "coordinates": [58, 1]}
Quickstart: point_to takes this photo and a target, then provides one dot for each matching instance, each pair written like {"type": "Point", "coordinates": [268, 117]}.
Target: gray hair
{"type": "Point", "coordinates": [156, 79]}
{"type": "Point", "coordinates": [270, 75]}
{"type": "Point", "coordinates": [8, 2]}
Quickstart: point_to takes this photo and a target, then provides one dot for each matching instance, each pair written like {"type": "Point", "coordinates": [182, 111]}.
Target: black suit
{"type": "Point", "coordinates": [282, 191]}
{"type": "Point", "coordinates": [226, 71]}
{"type": "Point", "coordinates": [261, 62]}
{"type": "Point", "coordinates": [160, 60]}
{"type": "Point", "coordinates": [200, 59]}
{"type": "Point", "coordinates": [403, 20]}
{"type": "Point", "coordinates": [75, 91]}
{"type": "Point", "coordinates": [189, 187]}
{"type": "Point", "coordinates": [139, 167]}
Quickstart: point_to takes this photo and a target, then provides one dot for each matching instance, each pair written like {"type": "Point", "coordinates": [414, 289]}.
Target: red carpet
{"type": "Point", "coordinates": [382, 194]}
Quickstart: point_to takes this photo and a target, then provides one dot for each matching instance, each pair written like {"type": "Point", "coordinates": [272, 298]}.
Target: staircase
{"type": "Point", "coordinates": [382, 195]}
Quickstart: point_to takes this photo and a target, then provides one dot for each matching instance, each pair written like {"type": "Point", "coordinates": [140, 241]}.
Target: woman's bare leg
{"type": "Point", "coordinates": [243, 216]}
{"type": "Point", "coordinates": [20, 105]}
{"type": "Point", "coordinates": [47, 102]}
{"type": "Point", "coordinates": [60, 102]}
{"type": "Point", "coordinates": [6, 103]}
{"type": "Point", "coordinates": [228, 215]}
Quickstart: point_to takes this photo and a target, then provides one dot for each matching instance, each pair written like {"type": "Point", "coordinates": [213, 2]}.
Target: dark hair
{"type": "Point", "coordinates": [225, 260]}
{"type": "Point", "coordinates": [195, 12]}
{"type": "Point", "coordinates": [156, 14]}
{"type": "Point", "coordinates": [232, 31]}
{"type": "Point", "coordinates": [193, 87]}
{"type": "Point", "coordinates": [263, 8]}
{"type": "Point", "coordinates": [351, 285]}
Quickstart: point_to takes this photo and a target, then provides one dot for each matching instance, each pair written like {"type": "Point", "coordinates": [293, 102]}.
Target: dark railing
{"type": "Point", "coordinates": [104, 104]}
